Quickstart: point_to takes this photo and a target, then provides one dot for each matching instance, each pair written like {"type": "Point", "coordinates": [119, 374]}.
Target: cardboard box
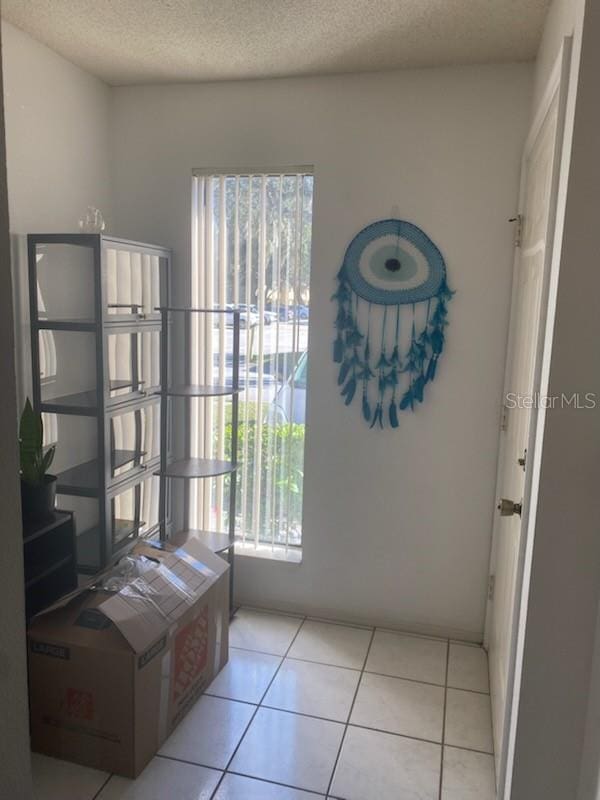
{"type": "Point", "coordinates": [111, 676]}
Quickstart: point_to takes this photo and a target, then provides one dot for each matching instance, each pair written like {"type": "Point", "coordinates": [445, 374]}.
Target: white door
{"type": "Point", "coordinates": [539, 180]}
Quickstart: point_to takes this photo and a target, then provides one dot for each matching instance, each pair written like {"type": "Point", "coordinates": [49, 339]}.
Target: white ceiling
{"type": "Point", "coordinates": [159, 41]}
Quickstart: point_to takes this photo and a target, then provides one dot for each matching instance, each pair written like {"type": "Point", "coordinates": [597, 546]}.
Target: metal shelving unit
{"type": "Point", "coordinates": [97, 379]}
{"type": "Point", "coordinates": [189, 468]}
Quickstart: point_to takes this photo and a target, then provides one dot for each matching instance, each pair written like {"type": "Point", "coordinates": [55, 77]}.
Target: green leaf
{"type": "Point", "coordinates": [48, 459]}
{"type": "Point", "coordinates": [31, 436]}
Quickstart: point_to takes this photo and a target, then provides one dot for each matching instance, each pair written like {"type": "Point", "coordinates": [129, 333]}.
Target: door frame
{"type": "Point", "coordinates": [557, 83]}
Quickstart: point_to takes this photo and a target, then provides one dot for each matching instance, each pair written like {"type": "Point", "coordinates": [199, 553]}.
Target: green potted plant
{"type": "Point", "coordinates": [38, 489]}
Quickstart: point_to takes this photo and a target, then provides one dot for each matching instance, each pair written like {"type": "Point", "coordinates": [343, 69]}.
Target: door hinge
{"type": "Point", "coordinates": [518, 220]}
{"type": "Point", "coordinates": [491, 586]}
{"type": "Point", "coordinates": [504, 418]}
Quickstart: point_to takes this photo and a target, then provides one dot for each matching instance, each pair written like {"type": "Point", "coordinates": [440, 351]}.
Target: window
{"type": "Point", "coordinates": [251, 242]}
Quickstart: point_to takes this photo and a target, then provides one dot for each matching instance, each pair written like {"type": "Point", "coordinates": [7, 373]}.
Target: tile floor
{"type": "Point", "coordinates": [307, 709]}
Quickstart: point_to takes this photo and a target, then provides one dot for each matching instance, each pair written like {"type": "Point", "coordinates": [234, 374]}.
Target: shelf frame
{"type": "Point", "coordinates": [103, 406]}
{"type": "Point", "coordinates": [168, 469]}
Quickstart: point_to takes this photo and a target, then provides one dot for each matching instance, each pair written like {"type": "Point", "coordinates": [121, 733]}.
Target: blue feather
{"type": "Point", "coordinates": [343, 372]}
{"type": "Point", "coordinates": [418, 387]}
{"type": "Point", "coordinates": [366, 408]}
{"type": "Point", "coordinates": [349, 390]}
{"type": "Point", "coordinates": [338, 351]}
{"type": "Point", "coordinates": [407, 400]}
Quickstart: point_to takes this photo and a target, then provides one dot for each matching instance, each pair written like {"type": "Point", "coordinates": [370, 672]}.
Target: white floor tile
{"type": "Point", "coordinates": [258, 630]}
{"type": "Point", "coordinates": [209, 734]}
{"type": "Point", "coordinates": [379, 766]}
{"type": "Point", "coordinates": [468, 668]}
{"type": "Point", "coordinates": [163, 779]}
{"type": "Point", "coordinates": [399, 706]}
{"type": "Point", "coordinates": [408, 657]}
{"type": "Point", "coordinates": [236, 787]}
{"type": "Point", "coordinates": [287, 748]}
{"type": "Point", "coordinates": [56, 780]}
{"type": "Point", "coordinates": [469, 720]}
{"type": "Point", "coordinates": [310, 688]}
{"type": "Point", "coordinates": [467, 775]}
{"type": "Point", "coordinates": [337, 645]}
{"type": "Point", "coordinates": [245, 676]}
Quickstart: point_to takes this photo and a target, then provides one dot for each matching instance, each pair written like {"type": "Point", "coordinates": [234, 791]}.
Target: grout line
{"type": "Point", "coordinates": [355, 669]}
{"type": "Point", "coordinates": [101, 789]}
{"type": "Point", "coordinates": [304, 714]}
{"type": "Point", "coordinates": [339, 752]}
{"type": "Point", "coordinates": [187, 761]}
{"type": "Point", "coordinates": [444, 718]}
{"type": "Point", "coordinates": [274, 783]}
{"type": "Point", "coordinates": [273, 612]}
{"type": "Point", "coordinates": [260, 652]}
{"type": "Point", "coordinates": [363, 625]}
{"type": "Point", "coordinates": [233, 772]}
{"type": "Point", "coordinates": [230, 699]}
{"type": "Point", "coordinates": [251, 720]}
{"type": "Point", "coordinates": [354, 625]}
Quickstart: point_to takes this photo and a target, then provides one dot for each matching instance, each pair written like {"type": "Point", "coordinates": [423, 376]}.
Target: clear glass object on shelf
{"type": "Point", "coordinates": [92, 221]}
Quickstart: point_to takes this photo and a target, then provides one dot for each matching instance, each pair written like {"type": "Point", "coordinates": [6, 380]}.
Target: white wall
{"type": "Point", "coordinates": [397, 523]}
{"type": "Point", "coordinates": [56, 119]}
{"type": "Point", "coordinates": [56, 137]}
{"type": "Point", "coordinates": [57, 145]}
{"type": "Point", "coordinates": [15, 778]}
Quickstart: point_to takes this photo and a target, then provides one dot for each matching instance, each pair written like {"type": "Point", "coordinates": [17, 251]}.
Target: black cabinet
{"type": "Point", "coordinates": [49, 557]}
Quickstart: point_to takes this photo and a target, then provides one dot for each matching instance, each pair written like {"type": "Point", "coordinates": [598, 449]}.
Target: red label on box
{"type": "Point", "coordinates": [190, 654]}
{"type": "Point", "coordinates": [80, 704]}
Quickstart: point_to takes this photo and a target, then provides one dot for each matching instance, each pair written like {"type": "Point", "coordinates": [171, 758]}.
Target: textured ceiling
{"type": "Point", "coordinates": [159, 41]}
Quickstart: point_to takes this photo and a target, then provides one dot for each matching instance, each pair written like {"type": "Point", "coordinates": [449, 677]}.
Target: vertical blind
{"type": "Point", "coordinates": [251, 237]}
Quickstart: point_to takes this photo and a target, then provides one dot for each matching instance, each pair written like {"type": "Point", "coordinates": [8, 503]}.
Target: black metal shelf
{"type": "Point", "coordinates": [48, 559]}
{"type": "Point", "coordinates": [98, 396]}
{"type": "Point", "coordinates": [192, 468]}
{"type": "Point", "coordinates": [33, 529]}
{"type": "Point", "coordinates": [40, 571]}
{"type": "Point", "coordinates": [82, 479]}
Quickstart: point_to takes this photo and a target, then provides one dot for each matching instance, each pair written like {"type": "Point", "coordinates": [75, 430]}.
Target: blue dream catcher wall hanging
{"type": "Point", "coordinates": [392, 302]}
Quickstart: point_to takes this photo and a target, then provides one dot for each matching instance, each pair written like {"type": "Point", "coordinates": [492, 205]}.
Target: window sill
{"type": "Point", "coordinates": [291, 555]}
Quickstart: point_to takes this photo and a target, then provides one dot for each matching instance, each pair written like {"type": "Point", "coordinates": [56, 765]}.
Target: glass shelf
{"type": "Point", "coordinates": [122, 457]}
{"type": "Point", "coordinates": [82, 480]}
{"type": "Point", "coordinates": [82, 403]}
{"type": "Point", "coordinates": [200, 391]}
{"type": "Point", "coordinates": [217, 542]}
{"type": "Point", "coordinates": [67, 324]}
{"type": "Point", "coordinates": [189, 468]}
{"type": "Point", "coordinates": [88, 543]}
